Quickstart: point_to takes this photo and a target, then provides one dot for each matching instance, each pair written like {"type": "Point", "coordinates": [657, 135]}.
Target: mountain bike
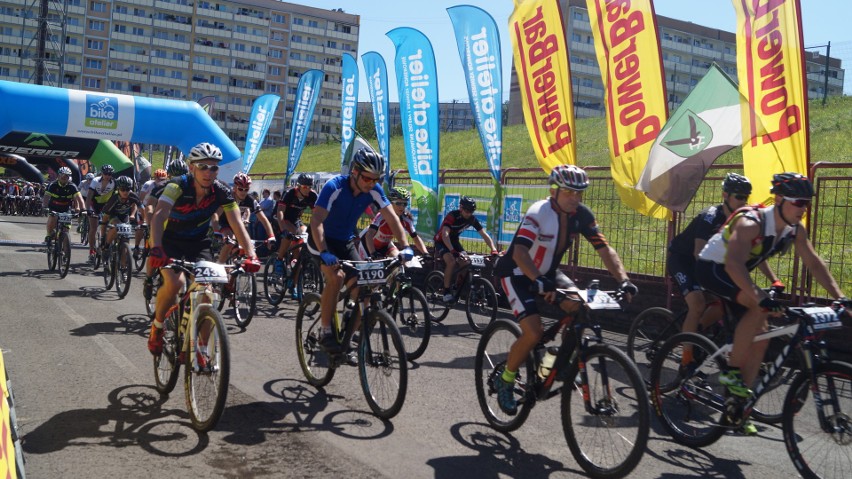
{"type": "Point", "coordinates": [194, 335]}
{"type": "Point", "coordinates": [275, 285]}
{"type": "Point", "coordinates": [481, 298]}
{"type": "Point", "coordinates": [409, 307]}
{"type": "Point", "coordinates": [141, 257]}
{"type": "Point", "coordinates": [83, 228]}
{"type": "Point", "coordinates": [241, 289]}
{"type": "Point", "coordinates": [697, 410]}
{"type": "Point", "coordinates": [59, 245]}
{"type": "Point", "coordinates": [381, 358]}
{"type": "Point", "coordinates": [605, 417]}
{"type": "Point", "coordinates": [118, 260]}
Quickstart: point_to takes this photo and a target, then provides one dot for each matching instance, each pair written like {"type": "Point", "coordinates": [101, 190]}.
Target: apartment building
{"type": "Point", "coordinates": [233, 50]}
{"type": "Point", "coordinates": [688, 50]}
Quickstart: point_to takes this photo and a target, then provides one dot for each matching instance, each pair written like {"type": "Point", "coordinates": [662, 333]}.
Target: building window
{"type": "Point", "coordinates": [310, 58]}
{"type": "Point", "coordinates": [96, 25]}
{"type": "Point", "coordinates": [138, 31]}
{"type": "Point", "coordinates": [313, 24]}
{"type": "Point", "coordinates": [239, 47]}
{"type": "Point", "coordinates": [120, 9]}
{"type": "Point", "coordinates": [116, 85]}
{"type": "Point", "coordinates": [256, 49]}
{"type": "Point", "coordinates": [119, 28]}
{"type": "Point", "coordinates": [296, 39]}
{"type": "Point", "coordinates": [275, 71]}
{"type": "Point", "coordinates": [298, 21]}
{"type": "Point", "coordinates": [331, 44]}
{"type": "Point", "coordinates": [278, 18]}
{"type": "Point", "coordinates": [96, 64]}
{"type": "Point", "coordinates": [92, 83]}
{"type": "Point", "coordinates": [275, 53]}
{"type": "Point", "coordinates": [138, 12]}
{"type": "Point", "coordinates": [158, 72]}
{"type": "Point", "coordinates": [295, 56]}
{"type": "Point", "coordinates": [272, 88]}
{"type": "Point", "coordinates": [97, 7]}
{"type": "Point", "coordinates": [177, 74]}
{"type": "Point", "coordinates": [94, 44]}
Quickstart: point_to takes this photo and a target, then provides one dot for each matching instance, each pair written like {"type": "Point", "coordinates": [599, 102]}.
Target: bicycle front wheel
{"type": "Point", "coordinates": [314, 361]}
{"type": "Point", "coordinates": [51, 253]}
{"type": "Point", "coordinates": [139, 261]}
{"type": "Point", "coordinates": [245, 298]}
{"type": "Point", "coordinates": [109, 268]}
{"type": "Point", "coordinates": [63, 260]}
{"type": "Point", "coordinates": [166, 365]}
{"type": "Point", "coordinates": [84, 231]}
{"type": "Point", "coordinates": [310, 277]}
{"type": "Point", "coordinates": [412, 315]}
{"type": "Point", "coordinates": [491, 355]}
{"type": "Point", "coordinates": [434, 287]}
{"type": "Point", "coordinates": [481, 307]}
{"type": "Point", "coordinates": [648, 331]}
{"type": "Point", "coordinates": [605, 414]}
{"type": "Point", "coordinates": [819, 438]}
{"type": "Point", "coordinates": [207, 372]}
{"type": "Point", "coordinates": [274, 285]}
{"type": "Point", "coordinates": [123, 269]}
{"type": "Point", "coordinates": [382, 365]}
{"type": "Point", "coordinates": [688, 399]}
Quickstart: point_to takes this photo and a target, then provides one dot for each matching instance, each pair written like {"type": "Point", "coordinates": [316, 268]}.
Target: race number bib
{"type": "Point", "coordinates": [823, 318]}
{"type": "Point", "coordinates": [124, 229]}
{"type": "Point", "coordinates": [370, 273]}
{"type": "Point", "coordinates": [209, 272]}
{"type": "Point", "coordinates": [477, 260]}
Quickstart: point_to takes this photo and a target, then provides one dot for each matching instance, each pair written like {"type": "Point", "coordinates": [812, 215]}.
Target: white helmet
{"type": "Point", "coordinates": [204, 151]}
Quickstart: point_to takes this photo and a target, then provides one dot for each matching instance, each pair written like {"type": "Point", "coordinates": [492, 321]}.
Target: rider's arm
{"type": "Point", "coordinates": [445, 238]}
{"type": "Point", "coordinates": [767, 271]}
{"type": "Point", "coordinates": [236, 222]}
{"type": "Point", "coordinates": [369, 236]}
{"type": "Point", "coordinates": [90, 198]}
{"type": "Point", "coordinates": [214, 220]}
{"type": "Point", "coordinates": [317, 231]}
{"type": "Point", "coordinates": [743, 232]}
{"type": "Point", "coordinates": [421, 246]}
{"type": "Point", "coordinates": [266, 225]}
{"type": "Point", "coordinates": [46, 198]}
{"type": "Point", "coordinates": [158, 222]}
{"type": "Point", "coordinates": [613, 263]}
{"type": "Point", "coordinates": [521, 257]}
{"type": "Point", "coordinates": [487, 238]}
{"type": "Point", "coordinates": [815, 264]}
{"type": "Point", "coordinates": [699, 245]}
{"type": "Point", "coordinates": [396, 226]}
{"type": "Point", "coordinates": [78, 200]}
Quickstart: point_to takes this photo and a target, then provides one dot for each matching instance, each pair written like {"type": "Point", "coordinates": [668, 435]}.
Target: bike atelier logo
{"type": "Point", "coordinates": [101, 112]}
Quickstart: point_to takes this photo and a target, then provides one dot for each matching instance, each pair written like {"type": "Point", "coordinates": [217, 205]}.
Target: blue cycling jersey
{"type": "Point", "coordinates": [345, 208]}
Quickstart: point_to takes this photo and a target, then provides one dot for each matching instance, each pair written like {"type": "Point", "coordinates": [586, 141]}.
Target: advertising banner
{"type": "Point", "coordinates": [376, 73]}
{"type": "Point", "coordinates": [349, 108]}
{"type": "Point", "coordinates": [261, 117]}
{"type": "Point", "coordinates": [307, 94]}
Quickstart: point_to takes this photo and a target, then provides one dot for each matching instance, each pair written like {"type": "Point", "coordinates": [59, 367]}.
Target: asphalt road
{"type": "Point", "coordinates": [83, 379]}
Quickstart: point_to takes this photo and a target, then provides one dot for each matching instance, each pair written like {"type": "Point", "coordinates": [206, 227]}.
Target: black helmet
{"type": "Point", "coordinates": [368, 161]}
{"type": "Point", "coordinates": [304, 179]}
{"type": "Point", "coordinates": [792, 185]}
{"type": "Point", "coordinates": [736, 184]}
{"type": "Point", "coordinates": [467, 203]}
{"type": "Point", "coordinates": [177, 167]}
{"type": "Point", "coordinates": [107, 170]}
{"type": "Point", "coordinates": [123, 182]}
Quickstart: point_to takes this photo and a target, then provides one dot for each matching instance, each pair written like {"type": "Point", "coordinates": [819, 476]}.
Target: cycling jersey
{"type": "Point", "coordinates": [84, 188]}
{"type": "Point", "coordinates": [61, 197]}
{"type": "Point", "coordinates": [148, 187]}
{"type": "Point", "coordinates": [703, 227]}
{"type": "Point", "coordinates": [384, 234]}
{"type": "Point", "coordinates": [293, 206]}
{"type": "Point", "coordinates": [765, 245]}
{"type": "Point", "coordinates": [190, 219]}
{"type": "Point", "coordinates": [540, 230]}
{"type": "Point", "coordinates": [344, 208]}
{"type": "Point", "coordinates": [117, 208]}
{"type": "Point", "coordinates": [247, 206]}
{"type": "Point", "coordinates": [102, 190]}
{"type": "Point", "coordinates": [456, 223]}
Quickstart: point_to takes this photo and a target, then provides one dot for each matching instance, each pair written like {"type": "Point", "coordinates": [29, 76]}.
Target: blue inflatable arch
{"type": "Point", "coordinates": [109, 116]}
{"type": "Point", "coordinates": [21, 166]}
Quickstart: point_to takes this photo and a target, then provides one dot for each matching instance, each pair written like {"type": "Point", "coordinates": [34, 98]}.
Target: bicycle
{"type": "Point", "coordinates": [408, 306]}
{"type": "Point", "coordinates": [481, 300]}
{"type": "Point", "coordinates": [142, 257]}
{"type": "Point", "coordinates": [194, 334]}
{"type": "Point", "coordinates": [604, 400]}
{"type": "Point", "coordinates": [275, 285]}
{"type": "Point", "coordinates": [241, 289]}
{"type": "Point", "coordinates": [118, 260]}
{"type": "Point", "coordinates": [381, 361]}
{"type": "Point", "coordinates": [59, 245]}
{"type": "Point", "coordinates": [697, 410]}
{"type": "Point", "coordinates": [83, 228]}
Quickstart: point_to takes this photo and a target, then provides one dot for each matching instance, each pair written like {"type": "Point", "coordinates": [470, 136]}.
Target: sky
{"type": "Point", "coordinates": [822, 21]}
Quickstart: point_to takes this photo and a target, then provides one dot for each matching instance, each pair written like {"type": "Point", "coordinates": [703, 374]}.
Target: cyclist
{"type": "Point", "coordinates": [748, 238]}
{"type": "Point", "coordinates": [288, 211]}
{"type": "Point", "coordinates": [341, 202]}
{"type": "Point", "coordinates": [179, 228]}
{"type": "Point", "coordinates": [121, 207]}
{"type": "Point", "coordinates": [376, 240]}
{"type": "Point", "coordinates": [447, 244]}
{"type": "Point", "coordinates": [247, 204]}
{"type": "Point", "coordinates": [59, 197]}
{"type": "Point", "coordinates": [100, 190]}
{"type": "Point", "coordinates": [84, 185]}
{"type": "Point", "coordinates": [532, 262]}
{"type": "Point", "coordinates": [159, 179]}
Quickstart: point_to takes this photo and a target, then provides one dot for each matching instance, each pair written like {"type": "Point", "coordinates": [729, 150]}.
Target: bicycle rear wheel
{"type": "Point", "coordinates": [207, 371]}
{"type": "Point", "coordinates": [434, 287]}
{"type": "Point", "coordinates": [98, 256]}
{"type": "Point", "coordinates": [689, 400]}
{"type": "Point", "coordinates": [274, 285]}
{"type": "Point", "coordinates": [648, 331]}
{"type": "Point", "coordinates": [51, 253]}
{"type": "Point", "coordinates": [63, 255]}
{"type": "Point", "coordinates": [123, 269]}
{"type": "Point", "coordinates": [84, 230]}
{"type": "Point", "coordinates": [139, 262]}
{"type": "Point", "coordinates": [245, 299]}
{"type": "Point", "coordinates": [820, 448]}
{"type": "Point", "coordinates": [109, 268]}
{"type": "Point", "coordinates": [491, 355]}
{"type": "Point", "coordinates": [151, 303]}
{"type": "Point", "coordinates": [412, 315]}
{"type": "Point", "coordinates": [314, 361]}
{"type": "Point", "coordinates": [310, 277]}
{"type": "Point", "coordinates": [166, 365]}
{"type": "Point", "coordinates": [607, 433]}
{"type": "Point", "coordinates": [382, 365]}
{"type": "Point", "coordinates": [481, 306]}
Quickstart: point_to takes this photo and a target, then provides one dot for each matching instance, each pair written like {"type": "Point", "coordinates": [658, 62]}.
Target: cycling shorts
{"type": "Point", "coordinates": [441, 248]}
{"type": "Point", "coordinates": [344, 250]}
{"type": "Point", "coordinates": [97, 207]}
{"type": "Point", "coordinates": [522, 300]}
{"type": "Point", "coordinates": [714, 279]}
{"type": "Point", "coordinates": [681, 268]}
{"type": "Point", "coordinates": [188, 250]}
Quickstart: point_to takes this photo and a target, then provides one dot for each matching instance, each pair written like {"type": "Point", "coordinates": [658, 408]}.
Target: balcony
{"type": "Point", "coordinates": [168, 62]}
{"type": "Point", "coordinates": [257, 74]}
{"type": "Point", "coordinates": [217, 32]}
{"type": "Point", "coordinates": [129, 37]}
{"type": "Point", "coordinates": [76, 10]}
{"type": "Point", "coordinates": [217, 48]}
{"type": "Point", "coordinates": [251, 92]}
{"type": "Point", "coordinates": [208, 12]}
{"type": "Point", "coordinates": [582, 25]}
{"type": "Point", "coordinates": [168, 81]}
{"type": "Point", "coordinates": [250, 38]}
{"type": "Point", "coordinates": [75, 29]}
{"type": "Point", "coordinates": [260, 57]}
{"type": "Point", "coordinates": [162, 42]}
{"type": "Point", "coordinates": [140, 77]}
{"type": "Point", "coordinates": [124, 17]}
{"type": "Point", "coordinates": [307, 48]}
{"type": "Point", "coordinates": [209, 86]}
{"type": "Point", "coordinates": [349, 37]}
{"type": "Point", "coordinates": [210, 69]}
{"type": "Point", "coordinates": [172, 25]}
{"type": "Point", "coordinates": [173, 7]}
{"type": "Point", "coordinates": [133, 57]}
{"type": "Point", "coordinates": [73, 48]}
{"type": "Point", "coordinates": [11, 19]}
{"type": "Point", "coordinates": [320, 32]}
{"type": "Point", "coordinates": [254, 20]}
{"type": "Point", "coordinates": [73, 68]}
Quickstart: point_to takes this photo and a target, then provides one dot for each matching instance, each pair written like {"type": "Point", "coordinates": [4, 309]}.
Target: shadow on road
{"type": "Point", "coordinates": [134, 324]}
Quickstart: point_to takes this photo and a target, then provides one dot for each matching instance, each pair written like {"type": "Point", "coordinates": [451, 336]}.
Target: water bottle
{"type": "Point", "coordinates": [547, 361]}
{"type": "Point", "coordinates": [592, 290]}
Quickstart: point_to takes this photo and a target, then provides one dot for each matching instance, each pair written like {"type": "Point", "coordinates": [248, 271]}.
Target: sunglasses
{"type": "Point", "coordinates": [205, 167]}
{"type": "Point", "coordinates": [367, 179]}
{"type": "Point", "coordinates": [305, 186]}
{"type": "Point", "coordinates": [798, 202]}
{"type": "Point", "coordinates": [124, 189]}
{"type": "Point", "coordinates": [241, 189]}
{"type": "Point", "coordinates": [400, 203]}
{"type": "Point", "coordinates": [740, 197]}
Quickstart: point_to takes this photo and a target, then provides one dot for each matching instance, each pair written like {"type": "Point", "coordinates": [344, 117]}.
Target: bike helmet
{"type": "Point", "coordinates": [368, 161]}
{"type": "Point", "coordinates": [160, 174]}
{"type": "Point", "coordinates": [90, 176]}
{"type": "Point", "coordinates": [304, 179]}
{"type": "Point", "coordinates": [205, 151]}
{"type": "Point", "coordinates": [569, 176]}
{"type": "Point", "coordinates": [736, 184]}
{"type": "Point", "coordinates": [242, 180]}
{"type": "Point", "coordinates": [399, 193]}
{"type": "Point", "coordinates": [177, 168]}
{"type": "Point", "coordinates": [467, 203]}
{"type": "Point", "coordinates": [123, 182]}
{"type": "Point", "coordinates": [107, 170]}
{"type": "Point", "coordinates": [65, 171]}
{"type": "Point", "coordinates": [792, 185]}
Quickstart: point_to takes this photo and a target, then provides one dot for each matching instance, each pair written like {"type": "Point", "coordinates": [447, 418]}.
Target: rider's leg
{"type": "Point", "coordinates": [166, 298]}
{"type": "Point", "coordinates": [695, 308]}
{"type": "Point", "coordinates": [450, 262]}
{"type": "Point", "coordinates": [333, 276]}
{"type": "Point", "coordinates": [51, 225]}
{"type": "Point", "coordinates": [225, 252]}
{"type": "Point", "coordinates": [93, 224]}
{"type": "Point", "coordinates": [746, 354]}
